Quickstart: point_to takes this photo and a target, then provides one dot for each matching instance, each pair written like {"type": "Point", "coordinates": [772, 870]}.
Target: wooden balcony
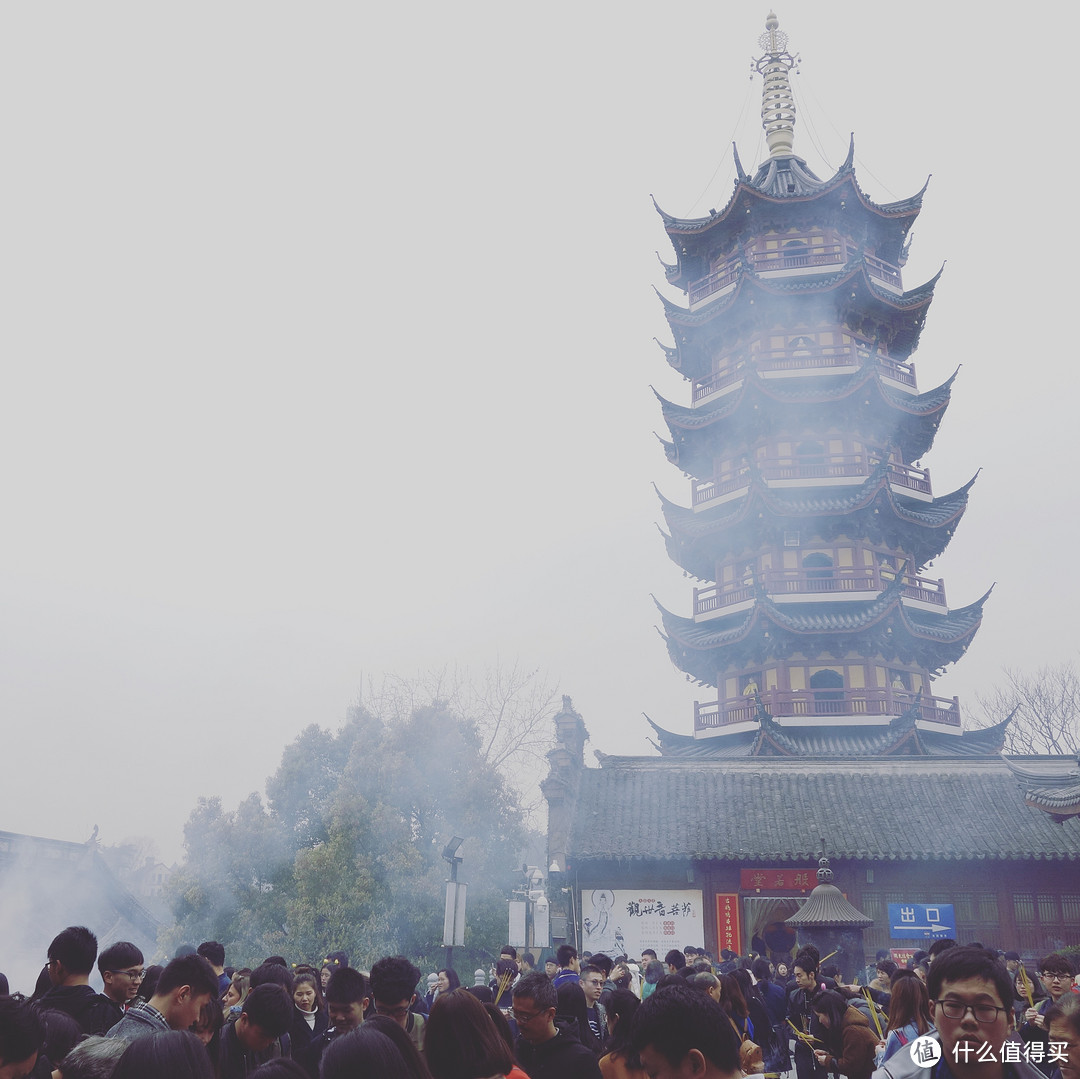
{"type": "Point", "coordinates": [791, 259]}
{"type": "Point", "coordinates": [798, 362]}
{"type": "Point", "coordinates": [820, 704]}
{"type": "Point", "coordinates": [821, 256]}
{"type": "Point", "coordinates": [833, 468]}
{"type": "Point", "coordinates": [827, 584]}
{"type": "Point", "coordinates": [704, 287]}
{"type": "Point", "coordinates": [885, 272]}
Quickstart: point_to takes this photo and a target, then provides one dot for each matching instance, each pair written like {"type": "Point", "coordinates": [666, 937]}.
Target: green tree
{"type": "Point", "coordinates": [348, 853]}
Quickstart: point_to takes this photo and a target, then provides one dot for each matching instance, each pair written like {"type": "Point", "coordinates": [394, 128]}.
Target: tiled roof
{"type": "Point", "coordinates": [770, 184]}
{"type": "Point", "coordinates": [762, 407]}
{"type": "Point", "coordinates": [804, 391]}
{"type": "Point", "coordinates": [792, 503]}
{"type": "Point", "coordinates": [907, 808]}
{"type": "Point", "coordinates": [836, 743]}
{"type": "Point", "coordinates": [1050, 785]}
{"type": "Point", "coordinates": [854, 274]}
{"type": "Point", "coordinates": [826, 906]}
{"type": "Point", "coordinates": [883, 624]}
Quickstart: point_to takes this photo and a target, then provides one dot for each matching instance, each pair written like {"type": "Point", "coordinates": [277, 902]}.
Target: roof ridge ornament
{"type": "Point", "coordinates": [777, 103]}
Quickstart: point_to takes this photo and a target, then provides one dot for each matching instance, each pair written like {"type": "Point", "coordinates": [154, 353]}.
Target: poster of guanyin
{"type": "Point", "coordinates": [624, 922]}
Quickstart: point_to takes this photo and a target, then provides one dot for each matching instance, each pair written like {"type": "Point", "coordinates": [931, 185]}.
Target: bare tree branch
{"type": "Point", "coordinates": [509, 705]}
{"type": "Point", "coordinates": [1047, 710]}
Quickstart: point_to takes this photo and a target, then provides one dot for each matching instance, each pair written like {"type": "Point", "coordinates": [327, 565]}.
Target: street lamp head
{"type": "Point", "coordinates": [450, 851]}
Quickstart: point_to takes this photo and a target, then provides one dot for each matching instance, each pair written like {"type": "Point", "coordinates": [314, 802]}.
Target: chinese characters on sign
{"type": "Point", "coordinates": [926, 1052]}
{"type": "Point", "coordinates": [1010, 1053]}
{"type": "Point", "coordinates": [624, 921]}
{"type": "Point", "coordinates": [921, 921]}
{"type": "Point", "coordinates": [784, 880]}
{"type": "Point", "coordinates": [727, 922]}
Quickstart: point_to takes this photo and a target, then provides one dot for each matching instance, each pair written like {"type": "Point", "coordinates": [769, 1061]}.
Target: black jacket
{"type": "Point", "coordinates": [94, 1012]}
{"type": "Point", "coordinates": [301, 1034]}
{"type": "Point", "coordinates": [561, 1057]}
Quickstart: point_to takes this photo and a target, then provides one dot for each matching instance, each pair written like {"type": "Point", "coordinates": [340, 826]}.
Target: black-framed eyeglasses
{"type": "Point", "coordinates": [394, 1013]}
{"type": "Point", "coordinates": [134, 975]}
{"type": "Point", "coordinates": [524, 1017]}
{"type": "Point", "coordinates": [1048, 977]}
{"type": "Point", "coordinates": [957, 1009]}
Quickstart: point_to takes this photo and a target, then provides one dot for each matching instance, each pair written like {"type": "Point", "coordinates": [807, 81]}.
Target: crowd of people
{"type": "Point", "coordinates": [959, 1012]}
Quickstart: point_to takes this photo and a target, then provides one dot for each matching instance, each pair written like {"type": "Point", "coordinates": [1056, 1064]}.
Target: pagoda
{"type": "Point", "coordinates": [812, 525]}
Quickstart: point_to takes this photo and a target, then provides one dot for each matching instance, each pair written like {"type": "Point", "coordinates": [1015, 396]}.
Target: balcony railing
{"type": "Point", "coordinates": [718, 380]}
{"type": "Point", "coordinates": [720, 278]}
{"type": "Point", "coordinates": [807, 469]}
{"type": "Point", "coordinates": [779, 362]}
{"type": "Point", "coordinates": [884, 271]}
{"type": "Point", "coordinates": [826, 582]}
{"type": "Point", "coordinates": [822, 703]}
{"type": "Point", "coordinates": [785, 259]}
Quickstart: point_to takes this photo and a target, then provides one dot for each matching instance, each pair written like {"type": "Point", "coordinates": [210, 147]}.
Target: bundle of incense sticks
{"type": "Point", "coordinates": [809, 1039]}
{"type": "Point", "coordinates": [503, 984]}
{"type": "Point", "coordinates": [1028, 988]}
{"type": "Point", "coordinates": [873, 1012]}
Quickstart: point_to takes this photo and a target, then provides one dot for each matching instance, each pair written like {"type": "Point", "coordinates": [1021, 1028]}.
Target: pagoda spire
{"type": "Point", "coordinates": [777, 103]}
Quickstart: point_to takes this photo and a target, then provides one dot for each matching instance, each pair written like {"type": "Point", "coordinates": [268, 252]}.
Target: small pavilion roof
{"type": "Point", "coordinates": [827, 907]}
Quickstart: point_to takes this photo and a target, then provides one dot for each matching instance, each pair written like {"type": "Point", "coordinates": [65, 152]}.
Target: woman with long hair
{"type": "Point", "coordinates": [654, 971]}
{"type": "Point", "coordinates": [461, 1040]}
{"type": "Point", "coordinates": [574, 1008]}
{"type": "Point", "coordinates": [909, 1014]}
{"type": "Point", "coordinates": [850, 1043]}
{"type": "Point", "coordinates": [620, 1062]}
{"type": "Point", "coordinates": [309, 1019]}
{"type": "Point", "coordinates": [447, 981]}
{"type": "Point", "coordinates": [734, 1003]}
{"type": "Point", "coordinates": [232, 1001]}
{"type": "Point", "coordinates": [724, 989]}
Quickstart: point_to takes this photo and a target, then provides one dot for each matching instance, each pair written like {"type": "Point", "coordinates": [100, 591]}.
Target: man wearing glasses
{"type": "Point", "coordinates": [122, 971]}
{"type": "Point", "coordinates": [393, 987]}
{"type": "Point", "coordinates": [1056, 975]}
{"type": "Point", "coordinates": [547, 1049]}
{"type": "Point", "coordinates": [971, 994]}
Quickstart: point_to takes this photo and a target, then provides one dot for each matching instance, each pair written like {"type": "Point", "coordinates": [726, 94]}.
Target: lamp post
{"type": "Point", "coordinates": [454, 915]}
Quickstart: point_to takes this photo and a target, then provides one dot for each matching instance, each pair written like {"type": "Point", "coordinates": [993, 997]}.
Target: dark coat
{"type": "Point", "coordinates": [301, 1034]}
{"type": "Point", "coordinates": [94, 1012]}
{"type": "Point", "coordinates": [561, 1057]}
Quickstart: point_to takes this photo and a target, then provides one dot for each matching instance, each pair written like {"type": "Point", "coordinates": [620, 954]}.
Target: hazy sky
{"type": "Point", "coordinates": [327, 344]}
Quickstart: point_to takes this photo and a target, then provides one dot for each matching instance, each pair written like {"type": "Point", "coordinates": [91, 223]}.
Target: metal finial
{"type": "Point", "coordinates": [773, 41]}
{"type": "Point", "coordinates": [777, 103]}
{"type": "Point", "coordinates": [824, 873]}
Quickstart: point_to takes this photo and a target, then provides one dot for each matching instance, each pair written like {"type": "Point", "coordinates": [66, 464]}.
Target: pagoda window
{"type": "Point", "coordinates": [828, 691]}
{"type": "Point", "coordinates": [796, 253]}
{"type": "Point", "coordinates": [818, 567]}
{"type": "Point", "coordinates": [751, 684]}
{"type": "Point", "coordinates": [811, 457]}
